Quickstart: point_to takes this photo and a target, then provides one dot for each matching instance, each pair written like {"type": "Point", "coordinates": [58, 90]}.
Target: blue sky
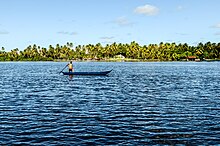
{"type": "Point", "coordinates": [45, 22]}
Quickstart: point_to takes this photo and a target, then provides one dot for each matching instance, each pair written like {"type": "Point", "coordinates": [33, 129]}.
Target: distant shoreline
{"type": "Point", "coordinates": [115, 60]}
{"type": "Point", "coordinates": [132, 60]}
{"type": "Point", "coordinates": [132, 52]}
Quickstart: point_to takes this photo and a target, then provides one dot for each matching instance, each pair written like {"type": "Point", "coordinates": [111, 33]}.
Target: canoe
{"type": "Point", "coordinates": [103, 73]}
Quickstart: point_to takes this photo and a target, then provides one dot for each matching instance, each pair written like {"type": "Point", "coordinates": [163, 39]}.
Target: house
{"type": "Point", "coordinates": [119, 56]}
{"type": "Point", "coordinates": [191, 58]}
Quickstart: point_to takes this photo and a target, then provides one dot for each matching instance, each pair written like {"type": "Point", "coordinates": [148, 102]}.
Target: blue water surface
{"type": "Point", "coordinates": [138, 103]}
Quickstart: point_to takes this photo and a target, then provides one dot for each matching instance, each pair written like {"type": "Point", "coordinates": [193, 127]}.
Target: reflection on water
{"type": "Point", "coordinates": [137, 104]}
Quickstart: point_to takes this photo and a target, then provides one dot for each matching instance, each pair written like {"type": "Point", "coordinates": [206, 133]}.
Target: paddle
{"type": "Point", "coordinates": [63, 69]}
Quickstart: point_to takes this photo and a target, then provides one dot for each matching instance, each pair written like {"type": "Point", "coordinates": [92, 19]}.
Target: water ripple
{"type": "Point", "coordinates": [137, 104]}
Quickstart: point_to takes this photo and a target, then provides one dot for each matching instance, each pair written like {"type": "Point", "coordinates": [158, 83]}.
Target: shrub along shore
{"type": "Point", "coordinates": [115, 52]}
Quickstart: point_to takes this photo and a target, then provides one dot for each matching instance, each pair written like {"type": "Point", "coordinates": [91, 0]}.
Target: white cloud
{"type": "Point", "coordinates": [106, 38]}
{"type": "Point", "coordinates": [217, 33]}
{"type": "Point", "coordinates": [123, 21]}
{"type": "Point", "coordinates": [147, 10]}
{"type": "Point", "coordinates": [182, 34]}
{"type": "Point", "coordinates": [179, 8]}
{"type": "Point", "coordinates": [4, 32]}
{"type": "Point", "coordinates": [67, 33]}
{"type": "Point", "coordinates": [169, 41]}
{"type": "Point", "coordinates": [217, 25]}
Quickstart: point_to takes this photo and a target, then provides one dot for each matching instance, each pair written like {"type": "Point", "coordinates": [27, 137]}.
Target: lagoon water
{"type": "Point", "coordinates": [138, 103]}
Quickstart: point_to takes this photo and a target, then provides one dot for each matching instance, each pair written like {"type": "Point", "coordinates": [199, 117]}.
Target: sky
{"type": "Point", "coordinates": [82, 22]}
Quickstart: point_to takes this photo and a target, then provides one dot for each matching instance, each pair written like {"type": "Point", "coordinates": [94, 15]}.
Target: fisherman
{"type": "Point", "coordinates": [70, 65]}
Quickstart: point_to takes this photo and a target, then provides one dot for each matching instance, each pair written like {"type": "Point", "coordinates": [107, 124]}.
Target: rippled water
{"type": "Point", "coordinates": [137, 104]}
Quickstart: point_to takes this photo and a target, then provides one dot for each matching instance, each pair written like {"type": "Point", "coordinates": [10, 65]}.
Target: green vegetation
{"type": "Point", "coordinates": [132, 51]}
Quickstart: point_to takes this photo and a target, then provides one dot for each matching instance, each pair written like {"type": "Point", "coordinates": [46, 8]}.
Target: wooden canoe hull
{"type": "Point", "coordinates": [103, 73]}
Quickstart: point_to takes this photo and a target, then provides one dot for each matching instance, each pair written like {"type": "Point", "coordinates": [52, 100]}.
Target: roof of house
{"type": "Point", "coordinates": [191, 57]}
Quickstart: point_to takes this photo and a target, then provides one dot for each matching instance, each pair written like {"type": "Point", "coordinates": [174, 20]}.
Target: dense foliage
{"type": "Point", "coordinates": [162, 52]}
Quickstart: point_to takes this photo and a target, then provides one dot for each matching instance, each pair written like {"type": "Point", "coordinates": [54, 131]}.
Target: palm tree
{"type": "Point", "coordinates": [3, 50]}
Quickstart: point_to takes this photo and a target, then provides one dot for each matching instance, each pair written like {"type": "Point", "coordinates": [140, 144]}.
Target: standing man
{"type": "Point", "coordinates": [70, 65]}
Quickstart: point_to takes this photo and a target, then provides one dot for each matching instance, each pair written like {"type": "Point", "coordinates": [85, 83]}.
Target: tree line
{"type": "Point", "coordinates": [161, 52]}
